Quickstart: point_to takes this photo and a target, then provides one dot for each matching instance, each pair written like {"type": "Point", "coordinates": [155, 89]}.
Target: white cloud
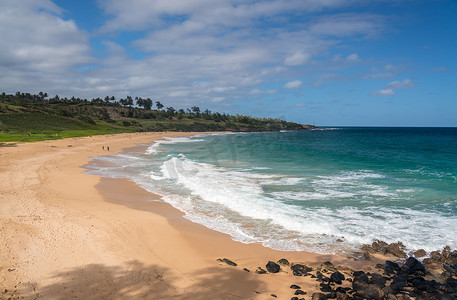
{"type": "Point", "coordinates": [39, 48]}
{"type": "Point", "coordinates": [293, 84]}
{"type": "Point", "coordinates": [384, 92]}
{"type": "Point", "coordinates": [349, 24]}
{"type": "Point", "coordinates": [196, 52]}
{"type": "Point", "coordinates": [389, 89]}
{"type": "Point", "coordinates": [406, 83]}
{"type": "Point", "coordinates": [441, 69]}
{"type": "Point", "coordinates": [298, 58]}
{"type": "Point", "coordinates": [385, 75]}
{"type": "Point", "coordinates": [352, 57]}
{"type": "Point", "coordinates": [256, 92]}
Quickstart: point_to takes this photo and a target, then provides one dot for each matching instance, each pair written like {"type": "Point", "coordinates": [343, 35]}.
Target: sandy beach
{"type": "Point", "coordinates": [66, 234]}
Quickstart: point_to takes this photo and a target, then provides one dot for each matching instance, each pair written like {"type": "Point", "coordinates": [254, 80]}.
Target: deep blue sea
{"type": "Point", "coordinates": [327, 191]}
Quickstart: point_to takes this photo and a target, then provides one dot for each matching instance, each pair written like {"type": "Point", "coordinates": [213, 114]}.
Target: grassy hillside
{"type": "Point", "coordinates": [25, 117]}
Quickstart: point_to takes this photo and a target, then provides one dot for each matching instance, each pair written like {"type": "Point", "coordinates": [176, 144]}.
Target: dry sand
{"type": "Point", "coordinates": [66, 234]}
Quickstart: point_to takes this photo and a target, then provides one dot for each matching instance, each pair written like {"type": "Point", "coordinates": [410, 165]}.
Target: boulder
{"type": "Point", "coordinates": [300, 270]}
{"type": "Point", "coordinates": [229, 262]}
{"type": "Point", "coordinates": [368, 291]}
{"type": "Point", "coordinates": [414, 267]}
{"type": "Point", "coordinates": [378, 245]}
{"type": "Point", "coordinates": [420, 253]}
{"type": "Point", "coordinates": [360, 276]}
{"type": "Point", "coordinates": [299, 292]}
{"type": "Point", "coordinates": [273, 267]}
{"type": "Point", "coordinates": [391, 267]}
{"type": "Point", "coordinates": [341, 296]}
{"type": "Point", "coordinates": [318, 296]}
{"type": "Point", "coordinates": [450, 268]}
{"type": "Point", "coordinates": [452, 282]}
{"type": "Point", "coordinates": [378, 280]}
{"type": "Point", "coordinates": [446, 251]}
{"type": "Point", "coordinates": [283, 262]}
{"type": "Point", "coordinates": [396, 249]}
{"type": "Point", "coordinates": [326, 288]}
{"type": "Point", "coordinates": [337, 277]}
{"type": "Point", "coordinates": [436, 256]}
{"type": "Point", "coordinates": [295, 287]}
{"type": "Point", "coordinates": [328, 266]}
{"type": "Point", "coordinates": [322, 277]}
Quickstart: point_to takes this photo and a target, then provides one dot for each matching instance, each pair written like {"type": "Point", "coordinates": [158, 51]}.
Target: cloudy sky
{"type": "Point", "coordinates": [328, 62]}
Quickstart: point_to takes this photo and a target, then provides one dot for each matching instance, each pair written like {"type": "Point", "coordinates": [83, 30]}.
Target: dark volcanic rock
{"type": "Point", "coordinates": [328, 266]}
{"type": "Point", "coordinates": [397, 286]}
{"type": "Point", "coordinates": [360, 276]}
{"type": "Point", "coordinates": [322, 277]}
{"type": "Point", "coordinates": [391, 267]}
{"type": "Point", "coordinates": [229, 262]}
{"type": "Point", "coordinates": [300, 270]}
{"type": "Point", "coordinates": [450, 268]}
{"type": "Point", "coordinates": [341, 296]}
{"type": "Point", "coordinates": [337, 277]}
{"type": "Point", "coordinates": [378, 280]}
{"type": "Point", "coordinates": [326, 288]}
{"type": "Point", "coordinates": [415, 267]}
{"type": "Point", "coordinates": [283, 262]}
{"type": "Point", "coordinates": [299, 292]}
{"type": "Point", "coordinates": [295, 287]}
{"type": "Point", "coordinates": [368, 291]}
{"type": "Point", "coordinates": [273, 267]}
{"type": "Point", "coordinates": [343, 290]}
{"type": "Point", "coordinates": [260, 271]}
{"type": "Point", "coordinates": [318, 296]}
{"type": "Point", "coordinates": [452, 282]}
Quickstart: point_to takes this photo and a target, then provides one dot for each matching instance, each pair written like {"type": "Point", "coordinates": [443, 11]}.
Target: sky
{"type": "Point", "coordinates": [322, 62]}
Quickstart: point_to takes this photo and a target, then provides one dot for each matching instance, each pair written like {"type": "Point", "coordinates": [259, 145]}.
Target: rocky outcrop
{"type": "Point", "coordinates": [273, 267]}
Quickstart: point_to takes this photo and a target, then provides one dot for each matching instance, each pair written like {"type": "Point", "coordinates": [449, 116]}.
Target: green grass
{"type": "Point", "coordinates": [53, 135]}
{"type": "Point", "coordinates": [30, 127]}
{"type": "Point", "coordinates": [39, 122]}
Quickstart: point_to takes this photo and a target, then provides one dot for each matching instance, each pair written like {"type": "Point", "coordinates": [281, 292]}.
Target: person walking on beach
{"type": "Point", "coordinates": [107, 148]}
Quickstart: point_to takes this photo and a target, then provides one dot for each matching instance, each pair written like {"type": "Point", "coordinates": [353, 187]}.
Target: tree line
{"type": "Point", "coordinates": [137, 108]}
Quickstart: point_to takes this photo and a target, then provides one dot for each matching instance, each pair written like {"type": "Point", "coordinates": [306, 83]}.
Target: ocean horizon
{"type": "Point", "coordinates": [328, 190]}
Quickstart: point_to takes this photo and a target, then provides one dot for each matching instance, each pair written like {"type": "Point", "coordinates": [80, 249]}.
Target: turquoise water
{"type": "Point", "coordinates": [324, 191]}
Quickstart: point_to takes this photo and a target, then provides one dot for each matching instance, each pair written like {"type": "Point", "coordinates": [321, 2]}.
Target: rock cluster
{"type": "Point", "coordinates": [398, 282]}
{"type": "Point", "coordinates": [395, 249]}
{"type": "Point", "coordinates": [410, 279]}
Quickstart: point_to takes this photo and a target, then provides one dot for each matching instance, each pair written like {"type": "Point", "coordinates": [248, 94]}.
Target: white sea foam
{"type": "Point", "coordinates": [235, 201]}
{"type": "Point", "coordinates": [294, 227]}
{"type": "Point", "coordinates": [153, 149]}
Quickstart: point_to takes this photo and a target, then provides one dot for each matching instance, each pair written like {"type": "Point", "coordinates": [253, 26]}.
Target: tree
{"type": "Point", "coordinates": [129, 101]}
{"type": "Point", "coordinates": [171, 111]}
{"type": "Point", "coordinates": [159, 105]}
{"type": "Point", "coordinates": [148, 104]}
{"type": "Point", "coordinates": [196, 110]}
{"type": "Point", "coordinates": [139, 101]}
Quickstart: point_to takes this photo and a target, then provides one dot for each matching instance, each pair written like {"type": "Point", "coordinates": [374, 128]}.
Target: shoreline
{"type": "Point", "coordinates": [70, 234]}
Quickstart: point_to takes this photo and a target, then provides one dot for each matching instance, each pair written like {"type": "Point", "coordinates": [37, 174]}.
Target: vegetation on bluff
{"type": "Point", "coordinates": [30, 117]}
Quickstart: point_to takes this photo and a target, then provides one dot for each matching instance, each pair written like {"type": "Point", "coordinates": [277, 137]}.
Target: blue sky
{"type": "Point", "coordinates": [328, 62]}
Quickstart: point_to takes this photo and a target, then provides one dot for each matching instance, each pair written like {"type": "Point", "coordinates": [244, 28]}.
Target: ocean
{"type": "Point", "coordinates": [328, 190]}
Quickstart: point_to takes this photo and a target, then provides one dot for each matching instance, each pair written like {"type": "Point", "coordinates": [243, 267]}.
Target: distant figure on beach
{"type": "Point", "coordinates": [103, 147]}
{"type": "Point", "coordinates": [107, 148]}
